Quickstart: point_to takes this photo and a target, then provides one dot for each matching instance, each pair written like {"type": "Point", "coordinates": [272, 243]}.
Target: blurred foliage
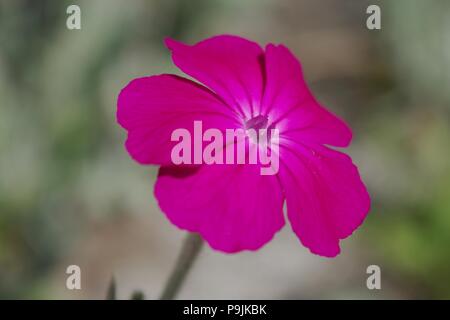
{"type": "Point", "coordinates": [62, 163]}
{"type": "Point", "coordinates": [57, 133]}
{"type": "Point", "coordinates": [410, 227]}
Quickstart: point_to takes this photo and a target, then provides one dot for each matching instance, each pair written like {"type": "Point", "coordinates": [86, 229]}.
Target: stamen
{"type": "Point", "coordinates": [258, 122]}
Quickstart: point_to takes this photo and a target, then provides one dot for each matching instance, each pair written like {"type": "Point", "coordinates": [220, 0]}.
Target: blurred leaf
{"type": "Point", "coordinates": [137, 295]}
{"type": "Point", "coordinates": [111, 293]}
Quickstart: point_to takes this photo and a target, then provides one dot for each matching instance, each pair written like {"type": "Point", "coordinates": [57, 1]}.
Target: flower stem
{"type": "Point", "coordinates": [191, 247]}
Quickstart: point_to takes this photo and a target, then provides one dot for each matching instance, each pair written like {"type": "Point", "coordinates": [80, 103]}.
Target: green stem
{"type": "Point", "coordinates": [191, 247]}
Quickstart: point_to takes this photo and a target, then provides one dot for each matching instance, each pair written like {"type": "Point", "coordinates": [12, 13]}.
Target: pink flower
{"type": "Point", "coordinates": [234, 207]}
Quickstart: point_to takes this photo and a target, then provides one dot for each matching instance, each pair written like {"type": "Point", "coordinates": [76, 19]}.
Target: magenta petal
{"type": "Point", "coordinates": [233, 207]}
{"type": "Point", "coordinates": [326, 199]}
{"type": "Point", "coordinates": [289, 102]}
{"type": "Point", "coordinates": [151, 108]}
{"type": "Point", "coordinates": [229, 65]}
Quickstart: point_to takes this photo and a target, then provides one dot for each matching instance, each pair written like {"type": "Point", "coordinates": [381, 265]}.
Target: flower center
{"type": "Point", "coordinates": [259, 130]}
{"type": "Point", "coordinates": [256, 123]}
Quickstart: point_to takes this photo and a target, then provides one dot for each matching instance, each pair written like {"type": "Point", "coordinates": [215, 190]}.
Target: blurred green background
{"type": "Point", "coordinates": [69, 194]}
